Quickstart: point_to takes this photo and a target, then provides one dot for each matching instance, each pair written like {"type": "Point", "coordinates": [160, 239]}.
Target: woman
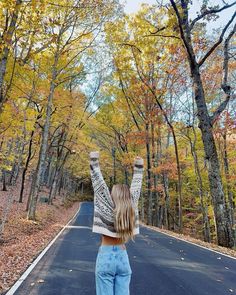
{"type": "Point", "coordinates": [116, 219]}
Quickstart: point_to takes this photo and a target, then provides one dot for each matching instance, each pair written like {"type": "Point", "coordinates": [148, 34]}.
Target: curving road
{"type": "Point", "coordinates": [162, 265]}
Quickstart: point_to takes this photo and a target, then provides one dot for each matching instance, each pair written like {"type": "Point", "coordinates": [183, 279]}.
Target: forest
{"type": "Point", "coordinates": [77, 76]}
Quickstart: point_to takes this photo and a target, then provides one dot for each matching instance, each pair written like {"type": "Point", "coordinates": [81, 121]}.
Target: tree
{"type": "Point", "coordinates": [74, 33]}
{"type": "Point", "coordinates": [6, 39]}
{"type": "Point", "coordinates": [206, 121]}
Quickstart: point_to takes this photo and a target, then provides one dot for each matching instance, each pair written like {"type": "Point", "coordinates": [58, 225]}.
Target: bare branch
{"type": "Point", "coordinates": [211, 11]}
{"type": "Point", "coordinates": [164, 36]}
{"type": "Point", "coordinates": [219, 110]}
{"type": "Point", "coordinates": [226, 88]}
{"type": "Point", "coordinates": [181, 28]}
{"type": "Point", "coordinates": [157, 31]}
{"type": "Point", "coordinates": [127, 99]}
{"type": "Point", "coordinates": [226, 57]}
{"type": "Point", "coordinates": [132, 46]}
{"type": "Point", "coordinates": [218, 42]}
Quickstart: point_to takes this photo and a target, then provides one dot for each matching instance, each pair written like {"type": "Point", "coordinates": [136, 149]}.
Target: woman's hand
{"type": "Point", "coordinates": [138, 161]}
{"type": "Point", "coordinates": [94, 155]}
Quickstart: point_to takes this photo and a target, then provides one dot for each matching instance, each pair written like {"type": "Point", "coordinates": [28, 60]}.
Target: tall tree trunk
{"type": "Point", "coordinates": [126, 172]}
{"type": "Point", "coordinates": [231, 205]}
{"type": "Point", "coordinates": [53, 188]}
{"type": "Point", "coordinates": [18, 155]}
{"type": "Point", "coordinates": [43, 147]}
{"type": "Point", "coordinates": [26, 166]}
{"type": "Point", "coordinates": [50, 171]}
{"type": "Point", "coordinates": [179, 184]}
{"type": "Point", "coordinates": [222, 220]}
{"type": "Point", "coordinates": [154, 164]}
{"type": "Point", "coordinates": [7, 39]}
{"type": "Point", "coordinates": [61, 183]}
{"type": "Point", "coordinates": [223, 226]}
{"type": "Point", "coordinates": [9, 145]}
{"type": "Point", "coordinates": [149, 176]}
{"type": "Point", "coordinates": [165, 181]}
{"type": "Point", "coordinates": [5, 214]}
{"type": "Point", "coordinates": [167, 200]}
{"type": "Point", "coordinates": [4, 186]}
{"type": "Point", "coordinates": [206, 224]}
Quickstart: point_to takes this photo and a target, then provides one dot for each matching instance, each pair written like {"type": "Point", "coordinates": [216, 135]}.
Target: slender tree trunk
{"type": "Point", "coordinates": [165, 181]}
{"type": "Point", "coordinates": [5, 214]}
{"type": "Point", "coordinates": [17, 162]}
{"type": "Point", "coordinates": [113, 153]}
{"type": "Point", "coordinates": [126, 172]}
{"type": "Point", "coordinates": [26, 166]}
{"type": "Point", "coordinates": [61, 183]}
{"type": "Point", "coordinates": [179, 185]}
{"type": "Point", "coordinates": [149, 176]}
{"type": "Point", "coordinates": [155, 177]}
{"type": "Point", "coordinates": [4, 186]}
{"type": "Point", "coordinates": [50, 171]}
{"type": "Point", "coordinates": [43, 147]}
{"type": "Point", "coordinates": [231, 205]}
{"type": "Point", "coordinates": [53, 189]}
{"type": "Point", "coordinates": [167, 200]}
{"type": "Point", "coordinates": [33, 178]}
{"type": "Point", "coordinates": [206, 224]}
{"type": "Point", "coordinates": [7, 39]}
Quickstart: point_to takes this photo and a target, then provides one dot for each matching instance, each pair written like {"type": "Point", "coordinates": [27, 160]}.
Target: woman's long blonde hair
{"type": "Point", "coordinates": [124, 211]}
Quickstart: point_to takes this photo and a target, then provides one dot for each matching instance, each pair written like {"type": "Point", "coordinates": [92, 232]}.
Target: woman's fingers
{"type": "Point", "coordinates": [138, 160]}
{"type": "Point", "coordinates": [94, 154]}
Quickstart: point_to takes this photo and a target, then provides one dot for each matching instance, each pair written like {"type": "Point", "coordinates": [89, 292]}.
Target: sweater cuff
{"type": "Point", "coordinates": [94, 164]}
{"type": "Point", "coordinates": [138, 168]}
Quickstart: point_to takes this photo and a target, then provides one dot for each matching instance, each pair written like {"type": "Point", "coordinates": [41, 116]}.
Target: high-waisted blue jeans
{"type": "Point", "coordinates": [113, 272]}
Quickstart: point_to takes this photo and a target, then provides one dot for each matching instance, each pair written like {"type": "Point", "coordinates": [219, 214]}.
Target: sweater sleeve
{"type": "Point", "coordinates": [102, 198]}
{"type": "Point", "coordinates": [136, 184]}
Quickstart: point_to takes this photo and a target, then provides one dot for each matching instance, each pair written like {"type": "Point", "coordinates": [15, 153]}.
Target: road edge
{"type": "Point", "coordinates": [17, 284]}
{"type": "Point", "coordinates": [192, 243]}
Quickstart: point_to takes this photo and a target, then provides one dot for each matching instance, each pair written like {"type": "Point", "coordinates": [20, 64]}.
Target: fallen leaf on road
{"type": "Point", "coordinates": [40, 281]}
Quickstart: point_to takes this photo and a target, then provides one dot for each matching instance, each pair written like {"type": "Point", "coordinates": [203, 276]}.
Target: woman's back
{"type": "Point", "coordinates": [106, 240]}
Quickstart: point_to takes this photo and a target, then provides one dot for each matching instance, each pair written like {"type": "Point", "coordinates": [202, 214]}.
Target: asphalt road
{"type": "Point", "coordinates": [161, 265]}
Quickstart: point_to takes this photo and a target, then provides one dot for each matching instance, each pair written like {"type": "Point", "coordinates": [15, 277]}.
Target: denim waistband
{"type": "Point", "coordinates": [110, 248]}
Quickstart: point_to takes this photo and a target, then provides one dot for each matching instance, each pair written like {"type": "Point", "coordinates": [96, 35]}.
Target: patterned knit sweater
{"type": "Point", "coordinates": [103, 221]}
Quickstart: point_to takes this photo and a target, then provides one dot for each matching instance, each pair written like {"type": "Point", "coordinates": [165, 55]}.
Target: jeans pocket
{"type": "Point", "coordinates": [104, 263]}
{"type": "Point", "coordinates": [123, 265]}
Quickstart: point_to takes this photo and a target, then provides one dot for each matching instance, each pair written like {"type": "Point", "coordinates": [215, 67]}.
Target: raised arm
{"type": "Point", "coordinates": [136, 184]}
{"type": "Point", "coordinates": [101, 192]}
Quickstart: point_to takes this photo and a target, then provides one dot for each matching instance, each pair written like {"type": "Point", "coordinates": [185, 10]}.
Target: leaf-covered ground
{"type": "Point", "coordinates": [23, 240]}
